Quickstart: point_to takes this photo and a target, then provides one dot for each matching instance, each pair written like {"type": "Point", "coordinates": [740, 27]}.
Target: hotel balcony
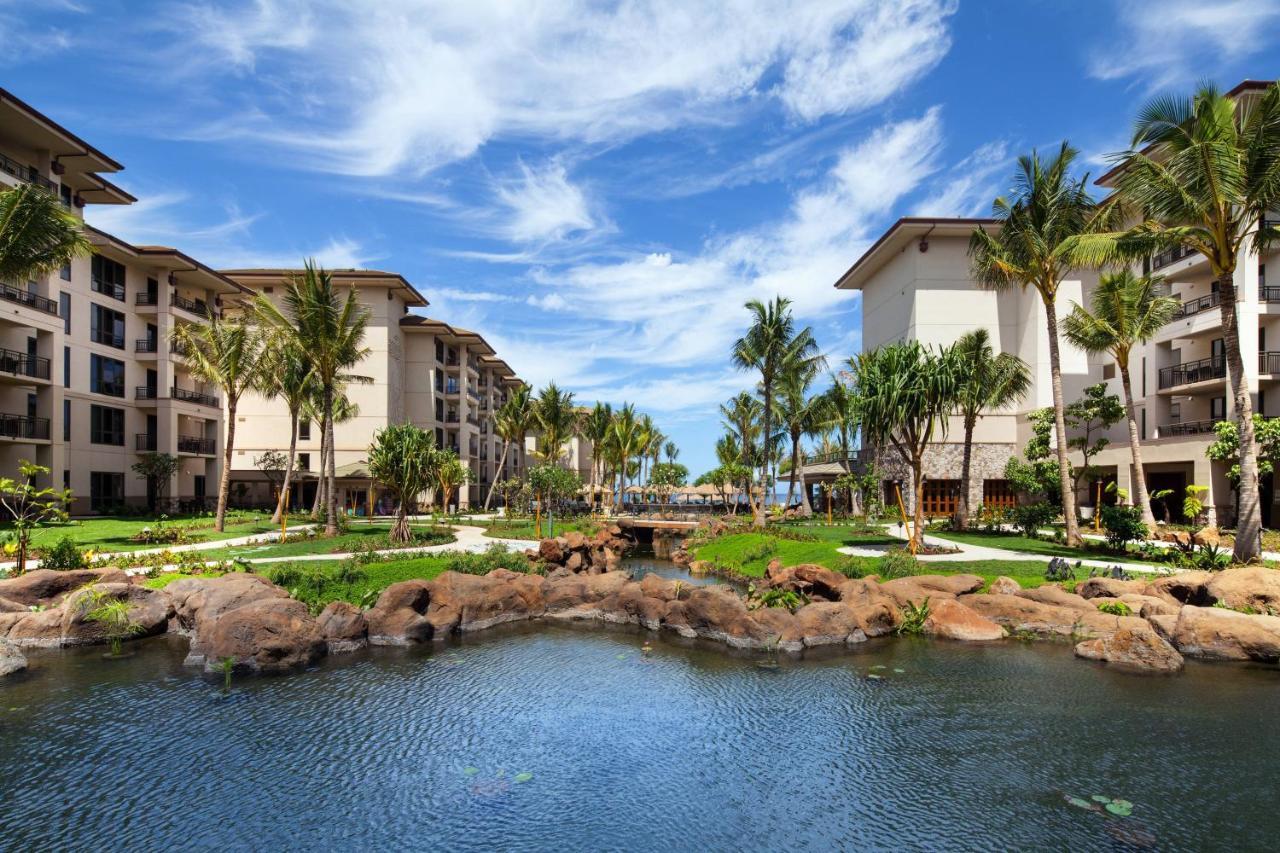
{"type": "Point", "coordinates": [1211, 369]}
{"type": "Point", "coordinates": [23, 297]}
{"type": "Point", "coordinates": [197, 397]}
{"type": "Point", "coordinates": [1185, 428]}
{"type": "Point", "coordinates": [25, 367]}
{"type": "Point", "coordinates": [195, 307]}
{"type": "Point", "coordinates": [196, 445]}
{"type": "Point", "coordinates": [1172, 256]}
{"type": "Point", "coordinates": [23, 427]}
{"type": "Point", "coordinates": [28, 175]}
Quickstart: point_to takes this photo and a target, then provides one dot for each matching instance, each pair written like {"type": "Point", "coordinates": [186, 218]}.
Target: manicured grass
{"type": "Point", "coordinates": [358, 534]}
{"type": "Point", "coordinates": [523, 528]}
{"type": "Point", "coordinates": [1017, 542]}
{"type": "Point", "coordinates": [116, 534]}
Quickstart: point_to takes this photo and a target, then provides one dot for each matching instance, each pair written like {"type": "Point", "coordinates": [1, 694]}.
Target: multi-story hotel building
{"type": "Point", "coordinates": [445, 379]}
{"type": "Point", "coordinates": [89, 380]}
{"type": "Point", "coordinates": [915, 284]}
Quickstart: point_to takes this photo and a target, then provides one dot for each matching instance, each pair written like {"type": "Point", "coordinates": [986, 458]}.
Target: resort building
{"type": "Point", "coordinates": [89, 380]}
{"type": "Point", "coordinates": [419, 370]}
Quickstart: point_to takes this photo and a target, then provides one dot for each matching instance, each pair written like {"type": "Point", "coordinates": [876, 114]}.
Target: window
{"type": "Point", "coordinates": [106, 376]}
{"type": "Point", "coordinates": [33, 405]}
{"type": "Point", "coordinates": [1144, 424]}
{"type": "Point", "coordinates": [106, 326]}
{"type": "Point", "coordinates": [64, 308]}
{"type": "Point", "coordinates": [439, 409]}
{"type": "Point", "coordinates": [940, 497]}
{"type": "Point", "coordinates": [439, 350]}
{"type": "Point", "coordinates": [65, 272]}
{"type": "Point", "coordinates": [106, 425]}
{"type": "Point", "coordinates": [64, 192]}
{"type": "Point", "coordinates": [66, 479]}
{"type": "Point", "coordinates": [107, 277]}
{"type": "Point", "coordinates": [1218, 409]}
{"type": "Point", "coordinates": [1109, 371]}
{"type": "Point", "coordinates": [304, 461]}
{"type": "Point", "coordinates": [66, 420]}
{"type": "Point", "coordinates": [304, 429]}
{"type": "Point", "coordinates": [66, 367]}
{"type": "Point", "coordinates": [106, 490]}
{"type": "Point", "coordinates": [998, 494]}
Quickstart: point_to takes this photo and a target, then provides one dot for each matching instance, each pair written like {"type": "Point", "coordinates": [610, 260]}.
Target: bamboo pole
{"type": "Point", "coordinates": [902, 508]}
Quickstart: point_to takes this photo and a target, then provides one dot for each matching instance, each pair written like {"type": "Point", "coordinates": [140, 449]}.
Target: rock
{"type": "Point", "coordinates": [1180, 538]}
{"type": "Point", "coordinates": [809, 579]}
{"type": "Point", "coordinates": [399, 618]}
{"type": "Point", "coordinates": [1057, 596]}
{"type": "Point", "coordinates": [612, 560]}
{"type": "Point", "coordinates": [343, 627]}
{"type": "Point", "coordinates": [474, 602]}
{"type": "Point", "coordinates": [149, 610]}
{"type": "Point", "coordinates": [1139, 648]}
{"type": "Point", "coordinates": [661, 588]}
{"type": "Point", "coordinates": [1108, 587]}
{"type": "Point", "coordinates": [827, 622]}
{"type": "Point", "coordinates": [202, 601]}
{"type": "Point", "coordinates": [1220, 634]}
{"type": "Point", "coordinates": [576, 562]}
{"type": "Point", "coordinates": [1145, 606]}
{"type": "Point", "coordinates": [46, 586]}
{"type": "Point", "coordinates": [551, 550]}
{"type": "Point", "coordinates": [1182, 588]}
{"type": "Point", "coordinates": [1207, 536]}
{"type": "Point", "coordinates": [909, 591]}
{"type": "Point", "coordinates": [11, 658]}
{"type": "Point", "coordinates": [951, 620]}
{"type": "Point", "coordinates": [563, 596]}
{"type": "Point", "coordinates": [8, 606]}
{"type": "Point", "coordinates": [1253, 587]}
{"type": "Point", "coordinates": [1021, 614]}
{"type": "Point", "coordinates": [575, 540]}
{"type": "Point", "coordinates": [699, 567]}
{"type": "Point", "coordinates": [268, 635]}
{"type": "Point", "coordinates": [950, 584]}
{"type": "Point", "coordinates": [1004, 586]}
{"type": "Point", "coordinates": [37, 629]}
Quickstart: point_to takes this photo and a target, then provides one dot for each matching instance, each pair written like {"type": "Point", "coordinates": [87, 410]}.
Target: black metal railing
{"type": "Point", "coordinates": [146, 345]}
{"type": "Point", "coordinates": [33, 300]}
{"type": "Point", "coordinates": [195, 444]}
{"type": "Point", "coordinates": [1201, 370]}
{"type": "Point", "coordinates": [24, 426]}
{"type": "Point", "coordinates": [1187, 428]}
{"type": "Point", "coordinates": [194, 396]}
{"type": "Point", "coordinates": [833, 456]}
{"type": "Point", "coordinates": [146, 392]}
{"type": "Point", "coordinates": [144, 442]}
{"type": "Point", "coordinates": [472, 419]}
{"type": "Point", "coordinates": [451, 418]}
{"type": "Point", "coordinates": [1269, 362]}
{"type": "Point", "coordinates": [178, 348]}
{"type": "Point", "coordinates": [147, 299]}
{"type": "Point", "coordinates": [25, 173]}
{"type": "Point", "coordinates": [1269, 294]}
{"type": "Point", "coordinates": [1169, 256]}
{"type": "Point", "coordinates": [102, 336]}
{"type": "Point", "coordinates": [107, 288]}
{"type": "Point", "coordinates": [1197, 306]}
{"type": "Point", "coordinates": [23, 364]}
{"type": "Point", "coordinates": [194, 306]}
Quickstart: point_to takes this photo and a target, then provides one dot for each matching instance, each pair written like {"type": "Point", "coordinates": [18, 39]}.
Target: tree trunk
{"type": "Point", "coordinates": [400, 530]}
{"type": "Point", "coordinates": [1135, 446]}
{"type": "Point", "coordinates": [283, 502]}
{"type": "Point", "coordinates": [1060, 427]}
{"type": "Point", "coordinates": [795, 463]}
{"type": "Point", "coordinates": [488, 499]}
{"type": "Point", "coordinates": [917, 476]}
{"type": "Point", "coordinates": [1249, 515]}
{"type": "Point", "coordinates": [224, 482]}
{"type": "Point", "coordinates": [806, 510]}
{"type": "Point", "coordinates": [758, 517]}
{"type": "Point", "coordinates": [961, 521]}
{"type": "Point", "coordinates": [317, 500]}
{"type": "Point", "coordinates": [331, 475]}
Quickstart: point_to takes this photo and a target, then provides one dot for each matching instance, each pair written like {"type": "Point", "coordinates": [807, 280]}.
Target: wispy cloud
{"type": "Point", "coordinates": [969, 185]}
{"type": "Point", "coordinates": [543, 205]}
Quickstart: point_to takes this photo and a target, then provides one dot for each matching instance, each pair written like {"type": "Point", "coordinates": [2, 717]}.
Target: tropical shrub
{"type": "Point", "coordinates": [1211, 558]}
{"type": "Point", "coordinates": [496, 556]}
{"type": "Point", "coordinates": [1123, 525]}
{"type": "Point", "coordinates": [1029, 518]}
{"type": "Point", "coordinates": [898, 563]}
{"type": "Point", "coordinates": [913, 618]}
{"type": "Point", "coordinates": [64, 554]}
{"type": "Point", "coordinates": [1115, 608]}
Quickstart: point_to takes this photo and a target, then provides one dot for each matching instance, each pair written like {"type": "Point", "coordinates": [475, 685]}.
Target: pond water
{"type": "Point", "coordinates": [576, 738]}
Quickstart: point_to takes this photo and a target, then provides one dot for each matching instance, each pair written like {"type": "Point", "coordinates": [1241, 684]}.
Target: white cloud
{"type": "Point", "coordinates": [550, 302]}
{"type": "Point", "coordinates": [1178, 41]}
{"type": "Point", "coordinates": [543, 205]}
{"type": "Point", "coordinates": [970, 185]}
{"type": "Point", "coordinates": [405, 85]}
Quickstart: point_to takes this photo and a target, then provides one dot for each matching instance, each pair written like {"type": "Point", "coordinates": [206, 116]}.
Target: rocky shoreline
{"type": "Point", "coordinates": [247, 620]}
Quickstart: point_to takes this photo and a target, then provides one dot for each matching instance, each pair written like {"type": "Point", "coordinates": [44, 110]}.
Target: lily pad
{"type": "Point", "coordinates": [899, 671]}
{"type": "Point", "coordinates": [470, 771]}
{"type": "Point", "coordinates": [1098, 798]}
{"type": "Point", "coordinates": [873, 677]}
{"type": "Point", "coordinates": [879, 666]}
{"type": "Point", "coordinates": [1081, 804]}
{"type": "Point", "coordinates": [1120, 808]}
{"type": "Point", "coordinates": [521, 778]}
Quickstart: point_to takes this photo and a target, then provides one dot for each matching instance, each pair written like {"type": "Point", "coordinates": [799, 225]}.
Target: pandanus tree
{"type": "Point", "coordinates": [1203, 172]}
{"type": "Point", "coordinates": [987, 382]}
{"type": "Point", "coordinates": [771, 342]}
{"type": "Point", "coordinates": [230, 355]}
{"type": "Point", "coordinates": [331, 329]}
{"type": "Point", "coordinates": [906, 392]}
{"type": "Point", "coordinates": [1128, 310]}
{"type": "Point", "coordinates": [403, 459]}
{"type": "Point", "coordinates": [1035, 243]}
{"type": "Point", "coordinates": [512, 422]}
{"type": "Point", "coordinates": [36, 235]}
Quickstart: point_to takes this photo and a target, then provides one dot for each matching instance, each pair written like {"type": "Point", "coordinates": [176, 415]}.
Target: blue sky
{"type": "Point", "coordinates": [598, 187]}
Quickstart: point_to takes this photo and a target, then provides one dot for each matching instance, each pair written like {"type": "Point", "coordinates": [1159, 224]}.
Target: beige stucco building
{"type": "Point", "coordinates": [88, 378]}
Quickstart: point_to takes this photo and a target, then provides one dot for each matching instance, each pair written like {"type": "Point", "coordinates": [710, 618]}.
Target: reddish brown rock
{"type": "Point", "coordinates": [574, 540]}
{"type": "Point", "coordinates": [11, 658]}
{"type": "Point", "coordinates": [1249, 587]}
{"type": "Point", "coordinates": [950, 584]}
{"type": "Point", "coordinates": [475, 602]}
{"type": "Point", "coordinates": [909, 591]}
{"type": "Point", "coordinates": [951, 620]}
{"type": "Point", "coordinates": [38, 629]}
{"type": "Point", "coordinates": [201, 601]}
{"type": "Point", "coordinates": [1020, 614]}
{"type": "Point", "coordinates": [399, 617]}
{"type": "Point", "coordinates": [1220, 634]}
{"type": "Point", "coordinates": [661, 588]}
{"type": "Point", "coordinates": [47, 586]}
{"type": "Point", "coordinates": [343, 626]}
{"type": "Point", "coordinates": [1057, 596]}
{"type": "Point", "coordinates": [551, 550]}
{"type": "Point", "coordinates": [1182, 588]}
{"type": "Point", "coordinates": [579, 591]}
{"type": "Point", "coordinates": [7, 606]}
{"type": "Point", "coordinates": [1108, 587]}
{"type": "Point", "coordinates": [149, 611]}
{"type": "Point", "coordinates": [267, 635]}
{"type": "Point", "coordinates": [1004, 586]}
{"type": "Point", "coordinates": [575, 562]}
{"type": "Point", "coordinates": [816, 582]}
{"type": "Point", "coordinates": [826, 623]}
{"type": "Point", "coordinates": [1133, 647]}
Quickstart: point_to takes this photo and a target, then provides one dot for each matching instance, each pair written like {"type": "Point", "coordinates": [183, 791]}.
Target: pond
{"type": "Point", "coordinates": [576, 738]}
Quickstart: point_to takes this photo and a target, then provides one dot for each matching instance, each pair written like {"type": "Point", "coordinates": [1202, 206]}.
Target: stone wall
{"type": "Point", "coordinates": [945, 462]}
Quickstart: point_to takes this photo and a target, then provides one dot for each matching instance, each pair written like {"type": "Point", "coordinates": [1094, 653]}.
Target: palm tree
{"type": "Point", "coordinates": [331, 330]}
{"type": "Point", "coordinates": [771, 342]}
{"type": "Point", "coordinates": [1204, 171]}
{"type": "Point", "coordinates": [595, 428]}
{"type": "Point", "coordinates": [672, 451]}
{"type": "Point", "coordinates": [556, 419]}
{"type": "Point", "coordinates": [841, 408]}
{"type": "Point", "coordinates": [402, 458]}
{"type": "Point", "coordinates": [742, 416]}
{"type": "Point", "coordinates": [512, 422]}
{"type": "Point", "coordinates": [1127, 310]}
{"type": "Point", "coordinates": [287, 375]}
{"type": "Point", "coordinates": [987, 381]}
{"type": "Point", "coordinates": [906, 393]}
{"type": "Point", "coordinates": [799, 413]}
{"type": "Point", "coordinates": [624, 443]}
{"type": "Point", "coordinates": [343, 410]}
{"type": "Point", "coordinates": [36, 235]}
{"type": "Point", "coordinates": [228, 354]}
{"type": "Point", "coordinates": [1036, 245]}
{"type": "Point", "coordinates": [451, 474]}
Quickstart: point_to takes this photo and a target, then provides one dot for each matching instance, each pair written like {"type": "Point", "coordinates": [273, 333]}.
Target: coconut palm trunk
{"type": "Point", "coordinates": [488, 499]}
{"type": "Point", "coordinates": [1135, 447]}
{"type": "Point", "coordinates": [1248, 541]}
{"type": "Point", "coordinates": [1060, 427]}
{"type": "Point", "coordinates": [224, 481]}
{"type": "Point", "coordinates": [917, 488]}
{"type": "Point", "coordinates": [317, 501]}
{"type": "Point", "coordinates": [282, 502]}
{"type": "Point", "coordinates": [331, 472]}
{"type": "Point", "coordinates": [966, 477]}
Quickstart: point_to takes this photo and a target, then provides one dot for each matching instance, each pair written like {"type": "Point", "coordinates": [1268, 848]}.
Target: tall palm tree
{"type": "Point", "coordinates": [624, 444]}
{"type": "Point", "coordinates": [742, 416]}
{"type": "Point", "coordinates": [512, 422]}
{"type": "Point", "coordinates": [557, 419]}
{"type": "Point", "coordinates": [228, 354]}
{"type": "Point", "coordinates": [1128, 310]}
{"type": "Point", "coordinates": [987, 381]}
{"type": "Point", "coordinates": [1204, 171]}
{"type": "Point", "coordinates": [672, 452]}
{"type": "Point", "coordinates": [287, 375]}
{"type": "Point", "coordinates": [841, 408]}
{"type": "Point", "coordinates": [36, 235]}
{"type": "Point", "coordinates": [799, 413]}
{"type": "Point", "coordinates": [343, 410]}
{"type": "Point", "coordinates": [1035, 244]}
{"type": "Point", "coordinates": [332, 331]}
{"type": "Point", "coordinates": [771, 342]}
{"type": "Point", "coordinates": [595, 428]}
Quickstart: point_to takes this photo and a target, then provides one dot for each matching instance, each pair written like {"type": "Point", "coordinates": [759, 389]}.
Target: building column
{"type": "Point", "coordinates": [1203, 474]}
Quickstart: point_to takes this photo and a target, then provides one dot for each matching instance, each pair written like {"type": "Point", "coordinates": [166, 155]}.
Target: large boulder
{"type": "Point", "coordinates": [11, 658]}
{"type": "Point", "coordinates": [1108, 587]}
{"type": "Point", "coordinates": [475, 602]}
{"type": "Point", "coordinates": [1023, 615]}
{"type": "Point", "coordinates": [343, 627]}
{"type": "Point", "coordinates": [551, 550]}
{"type": "Point", "coordinates": [1182, 588]}
{"type": "Point", "coordinates": [1220, 634]}
{"type": "Point", "coordinates": [574, 540]}
{"type": "Point", "coordinates": [399, 618]}
{"type": "Point", "coordinates": [9, 606]}
{"type": "Point", "coordinates": [809, 579]}
{"type": "Point", "coordinates": [1247, 588]}
{"type": "Point", "coordinates": [824, 623]}
{"type": "Point", "coordinates": [198, 602]}
{"type": "Point", "coordinates": [909, 591]}
{"type": "Point", "coordinates": [47, 586]}
{"type": "Point", "coordinates": [149, 612]}
{"type": "Point", "coordinates": [951, 620]}
{"type": "Point", "coordinates": [564, 596]}
{"type": "Point", "coordinates": [1057, 596]}
{"type": "Point", "coordinates": [1004, 585]}
{"type": "Point", "coordinates": [950, 584]}
{"type": "Point", "coordinates": [36, 629]}
{"type": "Point", "coordinates": [1133, 647]}
{"type": "Point", "coordinates": [268, 635]}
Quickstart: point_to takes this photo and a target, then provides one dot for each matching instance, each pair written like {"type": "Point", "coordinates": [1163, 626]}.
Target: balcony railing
{"type": "Point", "coordinates": [24, 426]}
{"type": "Point", "coordinates": [146, 392]}
{"type": "Point", "coordinates": [833, 456]}
{"type": "Point", "coordinates": [1269, 294]}
{"type": "Point", "coordinates": [107, 288]}
{"type": "Point", "coordinates": [194, 396]}
{"type": "Point", "coordinates": [472, 419]}
{"type": "Point", "coordinates": [1196, 306]}
{"type": "Point", "coordinates": [101, 336]}
{"type": "Point", "coordinates": [1201, 370]}
{"type": "Point", "coordinates": [1269, 362]}
{"type": "Point", "coordinates": [194, 306]}
{"type": "Point", "coordinates": [146, 345]}
{"type": "Point", "coordinates": [452, 388]}
{"type": "Point", "coordinates": [33, 300]}
{"type": "Point", "coordinates": [472, 393]}
{"type": "Point", "coordinates": [1170, 256]}
{"type": "Point", "coordinates": [147, 299]}
{"type": "Point", "coordinates": [22, 364]}
{"type": "Point", "coordinates": [195, 444]}
{"type": "Point", "coordinates": [25, 173]}
{"type": "Point", "coordinates": [1187, 428]}
{"type": "Point", "coordinates": [144, 442]}
{"type": "Point", "coordinates": [451, 418]}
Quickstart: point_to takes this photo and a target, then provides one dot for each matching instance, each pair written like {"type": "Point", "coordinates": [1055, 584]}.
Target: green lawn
{"type": "Point", "coordinates": [358, 534]}
{"type": "Point", "coordinates": [1017, 542]}
{"type": "Point", "coordinates": [116, 534]}
{"type": "Point", "coordinates": [523, 528]}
